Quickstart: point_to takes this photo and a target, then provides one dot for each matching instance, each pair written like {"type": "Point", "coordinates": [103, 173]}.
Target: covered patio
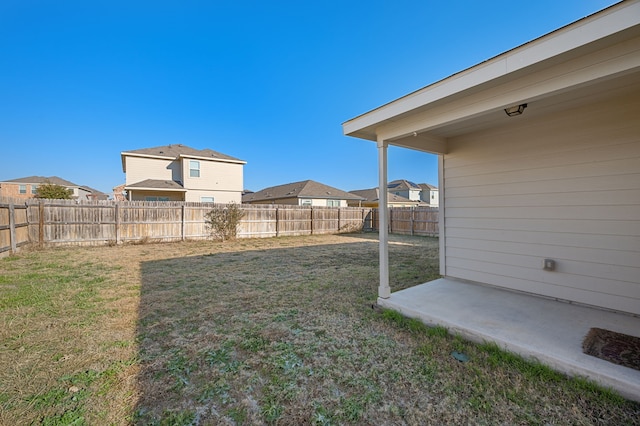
{"type": "Point", "coordinates": [539, 185]}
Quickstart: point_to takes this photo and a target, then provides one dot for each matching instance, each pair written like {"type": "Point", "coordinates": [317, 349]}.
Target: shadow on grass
{"type": "Point", "coordinates": [255, 336]}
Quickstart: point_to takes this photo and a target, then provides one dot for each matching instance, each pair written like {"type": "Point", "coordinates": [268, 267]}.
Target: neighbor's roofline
{"type": "Point", "coordinates": [223, 160]}
{"type": "Point", "coordinates": [603, 23]}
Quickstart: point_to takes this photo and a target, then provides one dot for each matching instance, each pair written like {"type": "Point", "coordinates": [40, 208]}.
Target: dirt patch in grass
{"type": "Point", "coordinates": [265, 331]}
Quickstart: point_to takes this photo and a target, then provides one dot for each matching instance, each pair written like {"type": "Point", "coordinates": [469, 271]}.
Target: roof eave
{"type": "Point", "coordinates": [589, 30]}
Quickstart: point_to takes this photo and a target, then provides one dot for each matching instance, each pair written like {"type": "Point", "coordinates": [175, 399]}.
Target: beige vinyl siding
{"type": "Point", "coordinates": [320, 202]}
{"type": "Point", "coordinates": [142, 168]}
{"type": "Point", "coordinates": [564, 186]}
{"type": "Point", "coordinates": [223, 197]}
{"type": "Point", "coordinates": [214, 176]}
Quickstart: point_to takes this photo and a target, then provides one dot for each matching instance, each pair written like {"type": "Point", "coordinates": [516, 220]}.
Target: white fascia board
{"type": "Point", "coordinates": [588, 30]}
{"type": "Point", "coordinates": [222, 160]}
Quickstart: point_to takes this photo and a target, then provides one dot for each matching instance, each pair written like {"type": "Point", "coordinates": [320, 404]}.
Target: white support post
{"type": "Point", "coordinates": [384, 290]}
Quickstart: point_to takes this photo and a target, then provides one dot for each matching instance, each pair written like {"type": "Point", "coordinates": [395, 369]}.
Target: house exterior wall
{"type": "Point", "coordinates": [142, 168]}
{"type": "Point", "coordinates": [315, 202]}
{"type": "Point", "coordinates": [564, 186]}
{"type": "Point", "coordinates": [319, 202]}
{"type": "Point", "coordinates": [223, 181]}
{"type": "Point", "coordinates": [431, 197]}
{"type": "Point", "coordinates": [222, 197]}
{"type": "Point", "coordinates": [12, 190]}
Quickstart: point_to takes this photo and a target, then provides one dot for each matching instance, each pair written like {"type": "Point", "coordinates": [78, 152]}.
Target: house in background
{"type": "Point", "coordinates": [539, 162]}
{"type": "Point", "coordinates": [304, 193]}
{"type": "Point", "coordinates": [26, 187]}
{"type": "Point", "coordinates": [429, 194]}
{"type": "Point", "coordinates": [405, 188]}
{"type": "Point", "coordinates": [421, 192]}
{"type": "Point", "coordinates": [180, 173]}
{"type": "Point", "coordinates": [371, 197]}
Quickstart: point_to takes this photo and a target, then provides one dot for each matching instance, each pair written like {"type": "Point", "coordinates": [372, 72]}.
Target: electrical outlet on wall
{"type": "Point", "coordinates": [549, 264]}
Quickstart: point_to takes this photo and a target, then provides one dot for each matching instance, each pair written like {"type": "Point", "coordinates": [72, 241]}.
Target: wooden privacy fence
{"type": "Point", "coordinates": [14, 227]}
{"type": "Point", "coordinates": [62, 222]}
{"type": "Point", "coordinates": [107, 222]}
{"type": "Point", "coordinates": [410, 220]}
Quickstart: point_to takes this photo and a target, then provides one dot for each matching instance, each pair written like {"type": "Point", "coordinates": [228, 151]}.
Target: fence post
{"type": "Point", "coordinates": [277, 222]}
{"type": "Point", "coordinates": [184, 226]}
{"type": "Point", "coordinates": [413, 210]}
{"type": "Point", "coordinates": [339, 210]}
{"type": "Point", "coordinates": [12, 228]}
{"type": "Point", "coordinates": [41, 223]}
{"type": "Point", "coordinates": [311, 219]}
{"type": "Point", "coordinates": [117, 222]}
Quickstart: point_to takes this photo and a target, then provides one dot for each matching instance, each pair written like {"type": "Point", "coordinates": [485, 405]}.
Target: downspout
{"type": "Point", "coordinates": [384, 290]}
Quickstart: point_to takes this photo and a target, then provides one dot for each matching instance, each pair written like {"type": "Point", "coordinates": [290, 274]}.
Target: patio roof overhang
{"type": "Point", "coordinates": [588, 58]}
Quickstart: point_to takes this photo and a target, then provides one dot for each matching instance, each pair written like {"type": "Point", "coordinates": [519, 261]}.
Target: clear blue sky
{"type": "Point", "coordinates": [269, 82]}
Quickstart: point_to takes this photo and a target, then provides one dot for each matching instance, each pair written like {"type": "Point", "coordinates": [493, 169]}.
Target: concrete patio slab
{"type": "Point", "coordinates": [547, 330]}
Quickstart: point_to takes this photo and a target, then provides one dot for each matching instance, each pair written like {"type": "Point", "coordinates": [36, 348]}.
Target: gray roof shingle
{"type": "Point", "coordinates": [302, 189]}
{"type": "Point", "coordinates": [175, 151]}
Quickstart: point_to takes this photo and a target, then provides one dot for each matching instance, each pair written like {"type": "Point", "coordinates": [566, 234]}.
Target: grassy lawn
{"type": "Point", "coordinates": [273, 331]}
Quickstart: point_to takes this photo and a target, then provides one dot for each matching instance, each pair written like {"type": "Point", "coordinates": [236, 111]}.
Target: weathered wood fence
{"type": "Point", "coordinates": [410, 220]}
{"type": "Point", "coordinates": [67, 222]}
{"type": "Point", "coordinates": [14, 227]}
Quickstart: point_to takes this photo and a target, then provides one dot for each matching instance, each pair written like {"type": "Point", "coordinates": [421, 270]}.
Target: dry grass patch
{"type": "Point", "coordinates": [266, 331]}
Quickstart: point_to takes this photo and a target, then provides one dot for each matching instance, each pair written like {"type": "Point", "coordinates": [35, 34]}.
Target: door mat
{"type": "Point", "coordinates": [618, 348]}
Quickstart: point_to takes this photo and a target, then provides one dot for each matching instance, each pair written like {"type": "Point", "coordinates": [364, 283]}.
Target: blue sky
{"type": "Point", "coordinates": [269, 82]}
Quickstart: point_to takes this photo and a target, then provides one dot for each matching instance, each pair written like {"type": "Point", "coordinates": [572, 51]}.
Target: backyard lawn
{"type": "Point", "coordinates": [260, 331]}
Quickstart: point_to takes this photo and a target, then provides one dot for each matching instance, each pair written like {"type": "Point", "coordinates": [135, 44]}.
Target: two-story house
{"type": "Point", "coordinates": [405, 188]}
{"type": "Point", "coordinates": [422, 192]}
{"type": "Point", "coordinates": [181, 173]}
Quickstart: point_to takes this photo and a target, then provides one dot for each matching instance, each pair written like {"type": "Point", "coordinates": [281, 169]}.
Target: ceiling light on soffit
{"type": "Point", "coordinates": [515, 110]}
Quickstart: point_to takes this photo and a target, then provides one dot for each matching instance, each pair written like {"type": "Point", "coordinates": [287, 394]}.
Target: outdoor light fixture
{"type": "Point", "coordinates": [515, 110]}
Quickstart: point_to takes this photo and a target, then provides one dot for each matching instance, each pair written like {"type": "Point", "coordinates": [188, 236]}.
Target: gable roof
{"type": "Point", "coordinates": [43, 179]}
{"type": "Point", "coordinates": [373, 194]}
{"type": "Point", "coordinates": [427, 187]}
{"type": "Point", "coordinates": [302, 189]}
{"type": "Point", "coordinates": [176, 151]}
{"type": "Point", "coordinates": [402, 185]}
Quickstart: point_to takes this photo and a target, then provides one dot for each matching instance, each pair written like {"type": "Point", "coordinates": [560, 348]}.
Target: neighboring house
{"type": "Point", "coordinates": [429, 194]}
{"type": "Point", "coordinates": [539, 158]}
{"type": "Point", "coordinates": [119, 194]}
{"type": "Point", "coordinates": [26, 187]}
{"type": "Point", "coordinates": [371, 197]}
{"type": "Point", "coordinates": [405, 188]}
{"type": "Point", "coordinates": [180, 173]}
{"type": "Point", "coordinates": [304, 193]}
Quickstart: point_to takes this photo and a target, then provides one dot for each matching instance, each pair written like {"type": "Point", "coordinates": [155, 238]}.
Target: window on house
{"type": "Point", "coordinates": [194, 168]}
{"type": "Point", "coordinates": [23, 189]}
{"type": "Point", "coordinates": [305, 202]}
{"type": "Point", "coordinates": [156, 198]}
{"type": "Point", "coordinates": [206, 199]}
{"type": "Point", "coordinates": [333, 203]}
{"type": "Point", "coordinates": [34, 189]}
